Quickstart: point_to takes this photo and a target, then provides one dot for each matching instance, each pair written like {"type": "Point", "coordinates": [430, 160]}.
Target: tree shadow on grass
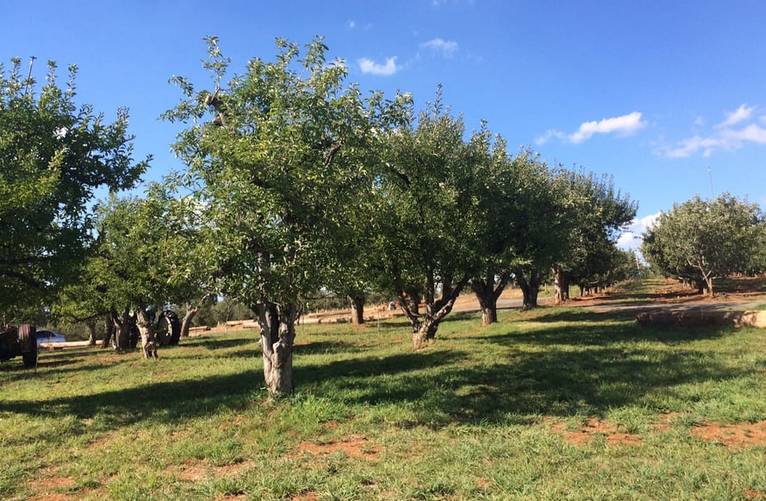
{"type": "Point", "coordinates": [178, 401]}
{"type": "Point", "coordinates": [557, 383]}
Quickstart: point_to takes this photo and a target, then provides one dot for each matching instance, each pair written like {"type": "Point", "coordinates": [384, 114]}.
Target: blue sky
{"type": "Point", "coordinates": [664, 96]}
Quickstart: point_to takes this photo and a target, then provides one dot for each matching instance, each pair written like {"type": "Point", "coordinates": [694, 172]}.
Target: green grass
{"type": "Point", "coordinates": [467, 418]}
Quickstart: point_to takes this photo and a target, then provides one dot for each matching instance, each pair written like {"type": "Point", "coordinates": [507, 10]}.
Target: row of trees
{"type": "Point", "coordinates": [700, 240]}
{"type": "Point", "coordinates": [297, 184]}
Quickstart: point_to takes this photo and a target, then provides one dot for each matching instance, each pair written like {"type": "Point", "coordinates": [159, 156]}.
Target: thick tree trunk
{"type": "Point", "coordinates": [91, 332]}
{"type": "Point", "coordinates": [191, 312]}
{"type": "Point", "coordinates": [488, 290]}
{"type": "Point", "coordinates": [357, 309]}
{"type": "Point", "coordinates": [277, 324]}
{"type": "Point", "coordinates": [108, 332]}
{"type": "Point", "coordinates": [425, 333]}
{"type": "Point", "coordinates": [530, 289]}
{"type": "Point", "coordinates": [123, 324]}
{"type": "Point", "coordinates": [146, 330]}
{"type": "Point", "coordinates": [560, 286]}
{"type": "Point", "coordinates": [489, 314]}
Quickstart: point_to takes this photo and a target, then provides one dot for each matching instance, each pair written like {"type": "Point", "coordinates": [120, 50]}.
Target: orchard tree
{"type": "Point", "coordinates": [429, 216]}
{"type": "Point", "coordinates": [53, 155]}
{"type": "Point", "coordinates": [149, 258]}
{"type": "Point", "coordinates": [502, 204]}
{"type": "Point", "coordinates": [280, 154]}
{"type": "Point", "coordinates": [598, 212]}
{"type": "Point", "coordinates": [701, 240]}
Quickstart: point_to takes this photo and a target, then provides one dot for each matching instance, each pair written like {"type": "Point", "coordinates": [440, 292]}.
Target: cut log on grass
{"type": "Point", "coordinates": [703, 318]}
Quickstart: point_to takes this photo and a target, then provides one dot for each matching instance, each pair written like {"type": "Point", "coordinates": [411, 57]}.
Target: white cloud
{"type": "Point", "coordinates": [622, 125]}
{"type": "Point", "coordinates": [447, 48]}
{"type": "Point", "coordinates": [723, 137]}
{"type": "Point", "coordinates": [351, 24]}
{"type": "Point", "coordinates": [370, 67]}
{"type": "Point", "coordinates": [632, 237]}
{"type": "Point", "coordinates": [744, 112]}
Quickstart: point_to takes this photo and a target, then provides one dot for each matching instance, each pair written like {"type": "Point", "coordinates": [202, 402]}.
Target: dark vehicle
{"type": "Point", "coordinates": [21, 340]}
{"type": "Point", "coordinates": [46, 336]}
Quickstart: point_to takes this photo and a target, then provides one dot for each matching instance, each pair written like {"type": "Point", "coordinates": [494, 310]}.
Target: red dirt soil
{"type": "Point", "coordinates": [593, 427]}
{"type": "Point", "coordinates": [734, 436]}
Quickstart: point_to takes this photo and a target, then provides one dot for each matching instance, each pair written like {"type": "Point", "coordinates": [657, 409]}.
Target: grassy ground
{"type": "Point", "coordinates": [485, 413]}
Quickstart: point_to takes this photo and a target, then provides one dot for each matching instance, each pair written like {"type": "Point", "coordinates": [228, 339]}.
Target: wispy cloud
{"type": "Point", "coordinates": [741, 114]}
{"type": "Point", "coordinates": [724, 136]}
{"type": "Point", "coordinates": [446, 48]}
{"type": "Point", "coordinates": [632, 237]}
{"type": "Point", "coordinates": [351, 24]}
{"type": "Point", "coordinates": [621, 125]}
{"type": "Point", "coordinates": [370, 67]}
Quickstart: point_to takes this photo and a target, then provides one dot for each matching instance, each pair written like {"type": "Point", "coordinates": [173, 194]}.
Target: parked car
{"type": "Point", "coordinates": [15, 341]}
{"type": "Point", "coordinates": [46, 336]}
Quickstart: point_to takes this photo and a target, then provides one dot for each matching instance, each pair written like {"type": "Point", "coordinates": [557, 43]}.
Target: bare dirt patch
{"type": "Point", "coordinates": [305, 496]}
{"type": "Point", "coordinates": [49, 489]}
{"type": "Point", "coordinates": [754, 494]}
{"type": "Point", "coordinates": [592, 428]}
{"type": "Point", "coordinates": [733, 436]}
{"type": "Point", "coordinates": [354, 447]}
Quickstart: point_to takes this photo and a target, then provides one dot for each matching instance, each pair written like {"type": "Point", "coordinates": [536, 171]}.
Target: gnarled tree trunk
{"type": "Point", "coordinates": [146, 330]}
{"type": "Point", "coordinates": [488, 291]}
{"type": "Point", "coordinates": [424, 326]}
{"type": "Point", "coordinates": [123, 324]}
{"type": "Point", "coordinates": [560, 286]}
{"type": "Point", "coordinates": [357, 309]}
{"type": "Point", "coordinates": [108, 332]}
{"type": "Point", "coordinates": [91, 331]}
{"type": "Point", "coordinates": [191, 312]}
{"type": "Point", "coordinates": [530, 288]}
{"type": "Point", "coordinates": [277, 325]}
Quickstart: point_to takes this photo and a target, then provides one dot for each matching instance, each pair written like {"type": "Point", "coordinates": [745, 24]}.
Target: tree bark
{"type": "Point", "coordinates": [357, 309]}
{"type": "Point", "coordinates": [91, 332]}
{"type": "Point", "coordinates": [108, 332]}
{"type": "Point", "coordinates": [487, 291]}
{"type": "Point", "coordinates": [560, 286]}
{"type": "Point", "coordinates": [146, 330]}
{"type": "Point", "coordinates": [425, 333]}
{"type": "Point", "coordinates": [123, 324]}
{"type": "Point", "coordinates": [191, 312]}
{"type": "Point", "coordinates": [424, 326]}
{"type": "Point", "coordinates": [530, 288]}
{"type": "Point", "coordinates": [277, 325]}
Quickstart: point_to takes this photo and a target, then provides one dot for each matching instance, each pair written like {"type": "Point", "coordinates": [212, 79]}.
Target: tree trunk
{"type": "Point", "coordinates": [91, 332]}
{"type": "Point", "coordinates": [489, 314]}
{"type": "Point", "coordinates": [108, 332]}
{"type": "Point", "coordinates": [530, 289]}
{"type": "Point", "coordinates": [357, 309]}
{"type": "Point", "coordinates": [487, 291]}
{"type": "Point", "coordinates": [191, 312]}
{"type": "Point", "coordinates": [425, 333]}
{"type": "Point", "coordinates": [146, 330]}
{"type": "Point", "coordinates": [277, 324]}
{"type": "Point", "coordinates": [560, 286]}
{"type": "Point", "coordinates": [123, 325]}
{"type": "Point", "coordinates": [709, 286]}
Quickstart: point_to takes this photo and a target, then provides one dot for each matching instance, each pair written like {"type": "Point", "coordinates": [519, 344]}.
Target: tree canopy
{"type": "Point", "coordinates": [53, 156]}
